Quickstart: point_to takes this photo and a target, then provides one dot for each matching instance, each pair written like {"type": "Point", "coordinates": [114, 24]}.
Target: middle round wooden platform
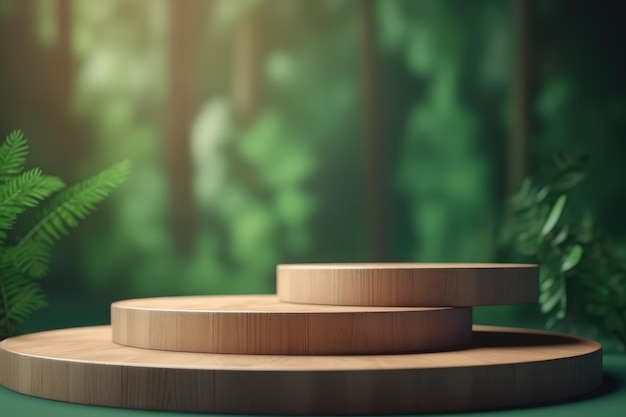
{"type": "Point", "coordinates": [261, 324]}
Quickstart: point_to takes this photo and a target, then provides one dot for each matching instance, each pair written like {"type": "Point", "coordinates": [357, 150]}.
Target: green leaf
{"type": "Point", "coordinates": [571, 169]}
{"type": "Point", "coordinates": [568, 179]}
{"type": "Point", "coordinates": [19, 296]}
{"type": "Point", "coordinates": [548, 278]}
{"type": "Point", "coordinates": [551, 322]}
{"type": "Point", "coordinates": [542, 194]}
{"type": "Point", "coordinates": [552, 285]}
{"type": "Point", "coordinates": [572, 257]}
{"type": "Point", "coordinates": [560, 238]}
{"type": "Point", "coordinates": [522, 195]}
{"type": "Point", "coordinates": [555, 215]}
{"type": "Point", "coordinates": [546, 284]}
{"type": "Point", "coordinates": [74, 203]}
{"type": "Point", "coordinates": [31, 258]}
{"type": "Point", "coordinates": [562, 307]}
{"type": "Point", "coordinates": [21, 192]}
{"type": "Point", "coordinates": [13, 155]}
{"type": "Point", "coordinates": [552, 300]}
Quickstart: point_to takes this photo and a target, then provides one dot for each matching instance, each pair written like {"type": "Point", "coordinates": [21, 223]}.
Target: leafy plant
{"type": "Point", "coordinates": [25, 259]}
{"type": "Point", "coordinates": [581, 273]}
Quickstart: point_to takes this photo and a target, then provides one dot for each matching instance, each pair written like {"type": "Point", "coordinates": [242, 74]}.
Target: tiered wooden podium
{"type": "Point", "coordinates": [345, 339]}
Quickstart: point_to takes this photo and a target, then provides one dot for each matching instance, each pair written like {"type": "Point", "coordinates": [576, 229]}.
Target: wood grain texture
{"type": "Point", "coordinates": [261, 324]}
{"type": "Point", "coordinates": [408, 284]}
{"type": "Point", "coordinates": [503, 368]}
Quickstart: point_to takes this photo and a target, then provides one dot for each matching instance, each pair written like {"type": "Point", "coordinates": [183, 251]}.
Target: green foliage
{"type": "Point", "coordinates": [257, 182]}
{"type": "Point", "coordinates": [24, 261]}
{"type": "Point", "coordinates": [442, 164]}
{"type": "Point", "coordinates": [581, 273]}
{"type": "Point", "coordinates": [12, 155]}
{"type": "Point", "coordinates": [21, 192]}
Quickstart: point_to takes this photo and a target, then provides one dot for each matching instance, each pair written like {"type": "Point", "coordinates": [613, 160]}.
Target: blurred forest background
{"type": "Point", "coordinates": [275, 131]}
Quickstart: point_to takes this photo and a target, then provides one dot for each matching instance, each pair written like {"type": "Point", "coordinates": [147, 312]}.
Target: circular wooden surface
{"type": "Point", "coordinates": [503, 368]}
{"type": "Point", "coordinates": [261, 324]}
{"type": "Point", "coordinates": [408, 284]}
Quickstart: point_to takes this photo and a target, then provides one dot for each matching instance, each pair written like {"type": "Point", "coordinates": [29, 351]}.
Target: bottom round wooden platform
{"type": "Point", "coordinates": [505, 367]}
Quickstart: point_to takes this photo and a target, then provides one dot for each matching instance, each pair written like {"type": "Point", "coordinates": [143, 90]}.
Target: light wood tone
{"type": "Point", "coordinates": [504, 368]}
{"type": "Point", "coordinates": [408, 284]}
{"type": "Point", "coordinates": [261, 324]}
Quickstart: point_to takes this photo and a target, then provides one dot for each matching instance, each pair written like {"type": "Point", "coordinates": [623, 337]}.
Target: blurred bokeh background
{"type": "Point", "coordinates": [275, 131]}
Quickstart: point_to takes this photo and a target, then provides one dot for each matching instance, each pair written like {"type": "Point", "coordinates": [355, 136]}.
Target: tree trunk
{"type": "Point", "coordinates": [38, 87]}
{"type": "Point", "coordinates": [69, 134]}
{"type": "Point", "coordinates": [20, 67]}
{"type": "Point", "coordinates": [517, 157]}
{"type": "Point", "coordinates": [376, 195]}
{"type": "Point", "coordinates": [248, 55]}
{"type": "Point", "coordinates": [182, 107]}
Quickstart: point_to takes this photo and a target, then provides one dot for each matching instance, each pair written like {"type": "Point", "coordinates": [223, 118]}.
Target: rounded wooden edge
{"type": "Point", "coordinates": [261, 324]}
{"type": "Point", "coordinates": [408, 284]}
{"type": "Point", "coordinates": [368, 266]}
{"type": "Point", "coordinates": [504, 368]}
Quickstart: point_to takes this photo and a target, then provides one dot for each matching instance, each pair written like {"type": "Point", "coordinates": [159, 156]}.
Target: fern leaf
{"type": "Point", "coordinates": [23, 191]}
{"type": "Point", "coordinates": [13, 155]}
{"type": "Point", "coordinates": [27, 189]}
{"type": "Point", "coordinates": [31, 258]}
{"type": "Point", "coordinates": [73, 204]}
{"type": "Point", "coordinates": [19, 296]}
{"type": "Point", "coordinates": [25, 299]}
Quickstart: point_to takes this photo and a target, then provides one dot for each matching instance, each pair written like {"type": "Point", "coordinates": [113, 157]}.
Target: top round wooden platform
{"type": "Point", "coordinates": [261, 324]}
{"type": "Point", "coordinates": [408, 284]}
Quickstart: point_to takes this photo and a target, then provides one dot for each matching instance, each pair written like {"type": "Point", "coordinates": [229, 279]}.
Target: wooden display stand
{"type": "Point", "coordinates": [259, 355]}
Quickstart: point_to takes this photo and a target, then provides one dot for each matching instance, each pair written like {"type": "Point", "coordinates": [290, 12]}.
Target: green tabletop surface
{"type": "Point", "coordinates": [609, 400]}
